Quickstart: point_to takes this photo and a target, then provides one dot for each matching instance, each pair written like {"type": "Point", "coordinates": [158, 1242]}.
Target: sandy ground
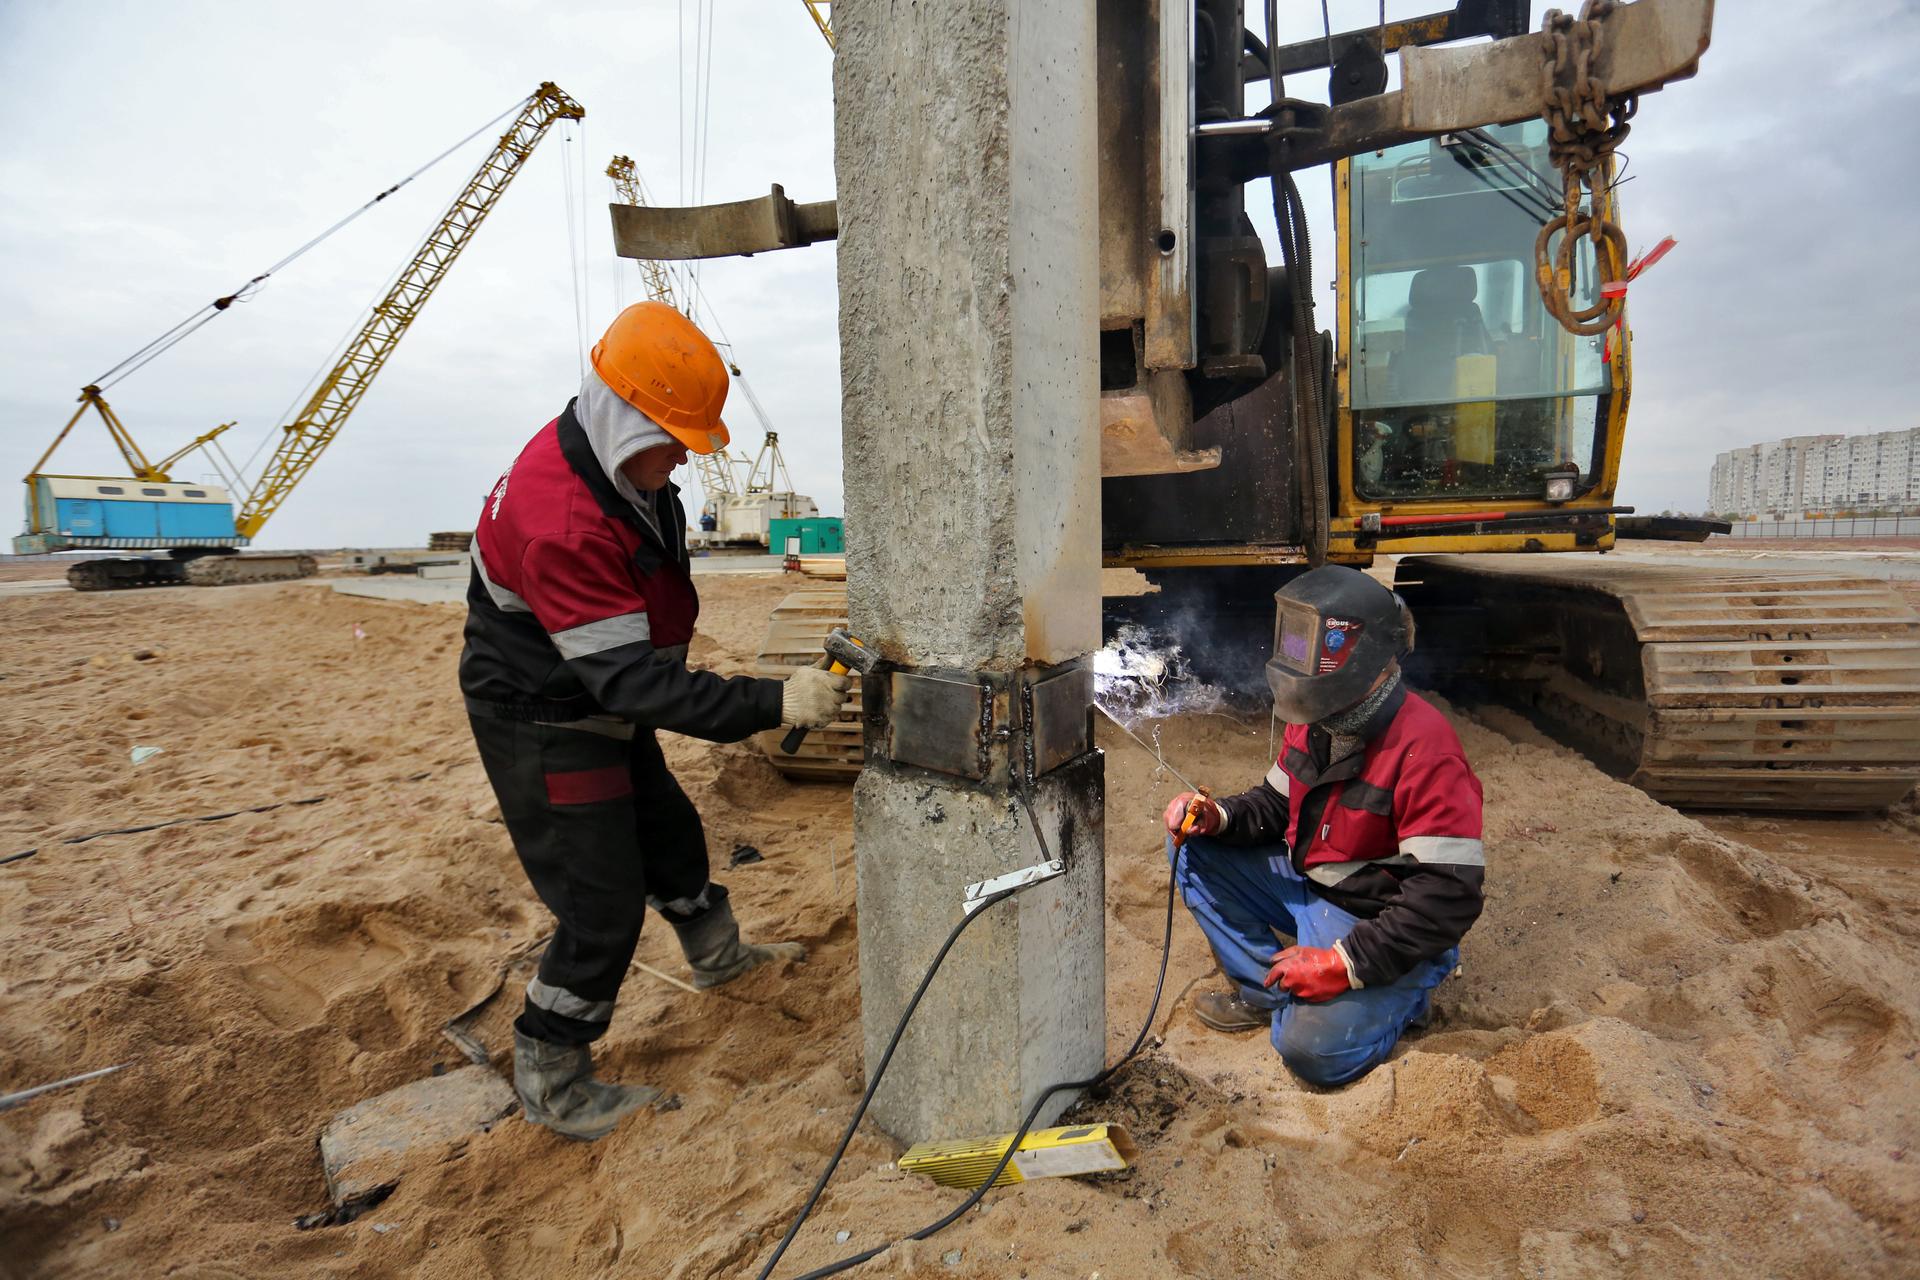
{"type": "Point", "coordinates": [1670, 1053]}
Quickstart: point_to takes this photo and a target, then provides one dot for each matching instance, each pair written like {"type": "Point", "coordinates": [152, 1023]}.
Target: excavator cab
{"type": "Point", "coordinates": [1459, 395]}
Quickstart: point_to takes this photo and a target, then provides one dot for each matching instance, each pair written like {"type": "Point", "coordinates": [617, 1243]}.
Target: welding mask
{"type": "Point", "coordinates": [1335, 630]}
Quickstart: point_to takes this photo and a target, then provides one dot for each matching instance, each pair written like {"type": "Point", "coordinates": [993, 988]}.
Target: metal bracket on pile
{"type": "Point", "coordinates": [977, 894]}
{"type": "Point", "coordinates": [995, 727]}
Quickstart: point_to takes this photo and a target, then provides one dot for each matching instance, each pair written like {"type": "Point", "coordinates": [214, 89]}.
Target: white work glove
{"type": "Point", "coordinates": [812, 698]}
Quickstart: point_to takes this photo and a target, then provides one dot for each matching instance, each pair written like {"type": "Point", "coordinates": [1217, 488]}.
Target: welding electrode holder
{"type": "Point", "coordinates": [1201, 796]}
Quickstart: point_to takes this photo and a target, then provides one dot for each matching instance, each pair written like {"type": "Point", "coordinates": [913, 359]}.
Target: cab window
{"type": "Point", "coordinates": [1462, 385]}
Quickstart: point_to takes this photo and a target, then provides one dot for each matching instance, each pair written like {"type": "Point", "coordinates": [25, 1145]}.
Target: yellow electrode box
{"type": "Point", "coordinates": [1050, 1153]}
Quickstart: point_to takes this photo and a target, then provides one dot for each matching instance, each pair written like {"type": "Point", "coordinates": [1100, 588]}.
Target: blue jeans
{"type": "Point", "coordinates": [1240, 895]}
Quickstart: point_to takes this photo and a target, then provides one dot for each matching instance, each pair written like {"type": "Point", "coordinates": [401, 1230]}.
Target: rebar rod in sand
{"type": "Point", "coordinates": [8, 1101]}
{"type": "Point", "coordinates": [667, 978]}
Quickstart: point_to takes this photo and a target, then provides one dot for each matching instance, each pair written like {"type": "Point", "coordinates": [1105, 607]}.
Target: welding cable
{"type": "Point", "coordinates": [1307, 379]}
{"type": "Point", "coordinates": [205, 817]}
{"type": "Point", "coordinates": [171, 822]}
{"type": "Point", "coordinates": [1026, 1125]}
{"type": "Point", "coordinates": [873, 1084]}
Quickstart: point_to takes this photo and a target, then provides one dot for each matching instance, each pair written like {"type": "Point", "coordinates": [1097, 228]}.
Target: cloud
{"type": "Point", "coordinates": [211, 138]}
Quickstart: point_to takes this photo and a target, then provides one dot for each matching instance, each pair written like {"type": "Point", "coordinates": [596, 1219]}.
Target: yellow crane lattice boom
{"type": "Point", "coordinates": [714, 469]}
{"type": "Point", "coordinates": [821, 11]}
{"type": "Point", "coordinates": [307, 436]}
{"type": "Point", "coordinates": [626, 181]}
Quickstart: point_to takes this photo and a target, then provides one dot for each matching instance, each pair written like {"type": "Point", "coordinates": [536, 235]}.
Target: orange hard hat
{"type": "Point", "coordinates": [659, 362]}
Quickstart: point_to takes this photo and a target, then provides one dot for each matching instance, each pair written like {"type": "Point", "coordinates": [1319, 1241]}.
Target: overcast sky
{"type": "Point", "coordinates": [161, 155]}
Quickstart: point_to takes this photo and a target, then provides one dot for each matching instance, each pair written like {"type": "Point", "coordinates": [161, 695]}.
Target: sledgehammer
{"type": "Point", "coordinates": [844, 655]}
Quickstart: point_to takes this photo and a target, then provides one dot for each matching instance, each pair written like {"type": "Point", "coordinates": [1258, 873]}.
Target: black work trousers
{"type": "Point", "coordinates": [600, 826]}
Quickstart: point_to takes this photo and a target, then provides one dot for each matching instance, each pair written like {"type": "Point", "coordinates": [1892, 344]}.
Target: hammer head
{"type": "Point", "coordinates": [850, 653]}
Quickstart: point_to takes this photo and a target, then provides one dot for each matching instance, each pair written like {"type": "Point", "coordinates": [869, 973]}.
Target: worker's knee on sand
{"type": "Point", "coordinates": [1337, 1042]}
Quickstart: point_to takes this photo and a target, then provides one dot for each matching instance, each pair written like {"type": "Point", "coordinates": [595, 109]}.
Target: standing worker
{"type": "Point", "coordinates": [1362, 844]}
{"type": "Point", "coordinates": [579, 615]}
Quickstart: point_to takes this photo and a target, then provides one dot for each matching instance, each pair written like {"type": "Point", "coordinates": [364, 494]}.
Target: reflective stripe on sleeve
{"type": "Point", "coordinates": [1277, 778]}
{"type": "Point", "coordinates": [503, 599]}
{"type": "Point", "coordinates": [1331, 873]}
{"type": "Point", "coordinates": [568, 1005]}
{"type": "Point", "coordinates": [1455, 851]}
{"type": "Point", "coordinates": [607, 633]}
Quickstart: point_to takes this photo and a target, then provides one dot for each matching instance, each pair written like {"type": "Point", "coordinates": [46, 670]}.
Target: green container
{"type": "Point", "coordinates": [808, 536]}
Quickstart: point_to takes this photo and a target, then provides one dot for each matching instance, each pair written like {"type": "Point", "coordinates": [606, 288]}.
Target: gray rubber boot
{"type": "Point", "coordinates": [716, 953]}
{"type": "Point", "coordinates": [557, 1089]}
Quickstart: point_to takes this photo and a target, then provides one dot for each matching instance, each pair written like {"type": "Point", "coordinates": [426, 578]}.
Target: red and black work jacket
{"type": "Point", "coordinates": [576, 608]}
{"type": "Point", "coordinates": [1390, 832]}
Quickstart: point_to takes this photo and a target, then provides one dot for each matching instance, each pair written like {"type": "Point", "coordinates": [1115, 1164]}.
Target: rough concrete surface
{"type": "Point", "coordinates": [968, 323]}
{"type": "Point", "coordinates": [1018, 1004]}
{"type": "Point", "coordinates": [363, 1147]}
{"type": "Point", "coordinates": [969, 310]}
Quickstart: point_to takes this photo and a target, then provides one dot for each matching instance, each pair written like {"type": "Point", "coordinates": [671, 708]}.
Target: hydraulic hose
{"type": "Point", "coordinates": [1308, 379]}
{"type": "Point", "coordinates": [1026, 1124]}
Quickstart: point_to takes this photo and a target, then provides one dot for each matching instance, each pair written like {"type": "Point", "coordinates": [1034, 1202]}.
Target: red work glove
{"type": "Point", "coordinates": [1312, 974]}
{"type": "Point", "coordinates": [1207, 818]}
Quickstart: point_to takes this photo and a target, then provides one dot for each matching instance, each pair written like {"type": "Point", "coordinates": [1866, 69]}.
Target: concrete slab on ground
{"type": "Point", "coordinates": [361, 1148]}
{"type": "Point", "coordinates": [417, 590]}
{"type": "Point", "coordinates": [33, 587]}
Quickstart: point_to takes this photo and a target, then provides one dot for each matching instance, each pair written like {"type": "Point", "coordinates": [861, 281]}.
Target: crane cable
{"type": "Point", "coordinates": [703, 120]}
{"type": "Point", "coordinates": [574, 260]}
{"type": "Point", "coordinates": [179, 332]}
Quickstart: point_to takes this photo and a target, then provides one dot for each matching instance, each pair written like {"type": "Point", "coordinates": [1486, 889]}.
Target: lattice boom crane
{"type": "Point", "coordinates": [307, 436]}
{"type": "Point", "coordinates": [195, 523]}
{"type": "Point", "coordinates": [716, 470]}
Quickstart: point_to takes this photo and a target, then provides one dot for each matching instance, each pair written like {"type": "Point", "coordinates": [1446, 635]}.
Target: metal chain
{"type": "Point", "coordinates": [1584, 127]}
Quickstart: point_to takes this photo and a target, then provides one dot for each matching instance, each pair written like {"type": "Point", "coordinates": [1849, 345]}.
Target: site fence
{"type": "Point", "coordinates": [1863, 527]}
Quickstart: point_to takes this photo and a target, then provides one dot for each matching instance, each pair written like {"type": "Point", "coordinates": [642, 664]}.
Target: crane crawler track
{"type": "Point", "coordinates": [1712, 687]}
{"type": "Point", "coordinates": [225, 571]}
{"type": "Point", "coordinates": [124, 573]}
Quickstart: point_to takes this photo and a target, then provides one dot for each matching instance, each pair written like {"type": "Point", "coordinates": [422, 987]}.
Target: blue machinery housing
{"type": "Point", "coordinates": [70, 513]}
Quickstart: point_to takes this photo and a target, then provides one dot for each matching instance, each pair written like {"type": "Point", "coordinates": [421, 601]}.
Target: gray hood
{"type": "Point", "coordinates": [617, 431]}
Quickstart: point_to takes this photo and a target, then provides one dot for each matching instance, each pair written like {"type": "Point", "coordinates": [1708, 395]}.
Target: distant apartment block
{"type": "Point", "coordinates": [1808, 475]}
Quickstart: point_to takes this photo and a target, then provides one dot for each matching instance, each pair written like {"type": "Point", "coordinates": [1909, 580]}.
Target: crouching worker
{"type": "Point", "coordinates": [1362, 846]}
{"type": "Point", "coordinates": [579, 614]}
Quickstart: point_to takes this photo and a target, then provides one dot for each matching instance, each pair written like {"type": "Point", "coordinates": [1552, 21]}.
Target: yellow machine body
{"type": "Point", "coordinates": [1509, 395]}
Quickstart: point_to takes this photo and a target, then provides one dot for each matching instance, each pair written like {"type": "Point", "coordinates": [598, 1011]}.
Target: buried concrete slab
{"type": "Point", "coordinates": [361, 1149]}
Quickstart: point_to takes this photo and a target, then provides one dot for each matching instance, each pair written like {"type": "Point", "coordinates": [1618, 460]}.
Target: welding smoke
{"type": "Point", "coordinates": [1137, 678]}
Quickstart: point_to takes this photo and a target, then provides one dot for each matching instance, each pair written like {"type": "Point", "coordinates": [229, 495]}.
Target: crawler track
{"type": "Point", "coordinates": [1713, 687]}
{"type": "Point", "coordinates": [124, 573]}
{"type": "Point", "coordinates": [226, 571]}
